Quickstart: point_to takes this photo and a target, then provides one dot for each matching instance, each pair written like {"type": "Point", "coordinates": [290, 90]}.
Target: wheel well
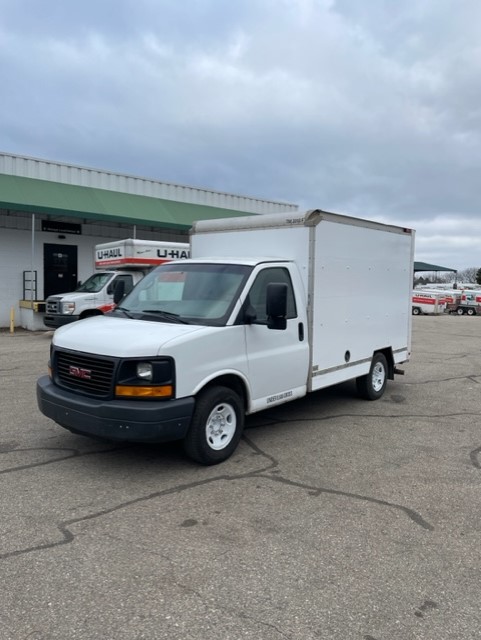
{"type": "Point", "coordinates": [387, 352]}
{"type": "Point", "coordinates": [231, 381]}
{"type": "Point", "coordinates": [90, 313]}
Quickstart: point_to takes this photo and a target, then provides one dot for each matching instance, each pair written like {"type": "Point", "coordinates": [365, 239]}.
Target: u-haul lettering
{"type": "Point", "coordinates": [173, 254]}
{"type": "Point", "coordinates": [109, 254]}
{"type": "Point", "coordinates": [139, 254]}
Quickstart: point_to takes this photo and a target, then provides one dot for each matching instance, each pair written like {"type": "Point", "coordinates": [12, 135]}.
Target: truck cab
{"type": "Point", "coordinates": [93, 297]}
{"type": "Point", "coordinates": [122, 262]}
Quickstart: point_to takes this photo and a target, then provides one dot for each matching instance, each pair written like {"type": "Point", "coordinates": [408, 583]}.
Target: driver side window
{"type": "Point", "coordinates": [258, 293]}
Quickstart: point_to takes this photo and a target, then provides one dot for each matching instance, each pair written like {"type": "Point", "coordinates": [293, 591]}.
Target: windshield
{"type": "Point", "coordinates": [193, 293]}
{"type": "Point", "coordinates": [95, 283]}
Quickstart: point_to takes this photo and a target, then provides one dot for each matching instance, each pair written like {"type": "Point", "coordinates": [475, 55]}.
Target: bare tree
{"type": "Point", "coordinates": [468, 275]}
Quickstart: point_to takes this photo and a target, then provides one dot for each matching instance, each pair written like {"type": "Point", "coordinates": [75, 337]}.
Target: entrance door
{"type": "Point", "coordinates": [59, 269]}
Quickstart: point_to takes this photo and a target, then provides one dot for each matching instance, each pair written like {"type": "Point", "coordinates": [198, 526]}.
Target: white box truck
{"type": "Point", "coordinates": [121, 261]}
{"type": "Point", "coordinates": [252, 320]}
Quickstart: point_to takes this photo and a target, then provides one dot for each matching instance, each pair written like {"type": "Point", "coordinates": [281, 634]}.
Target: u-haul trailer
{"type": "Point", "coordinates": [470, 303]}
{"type": "Point", "coordinates": [250, 322]}
{"type": "Point", "coordinates": [428, 302]}
{"type": "Point", "coordinates": [453, 298]}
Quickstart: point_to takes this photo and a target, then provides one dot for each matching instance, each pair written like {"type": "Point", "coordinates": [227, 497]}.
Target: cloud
{"type": "Point", "coordinates": [370, 109]}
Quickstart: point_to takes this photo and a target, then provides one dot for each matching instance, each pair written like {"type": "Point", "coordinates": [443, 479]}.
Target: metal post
{"type": "Point", "coordinates": [12, 320]}
{"type": "Point", "coordinates": [32, 259]}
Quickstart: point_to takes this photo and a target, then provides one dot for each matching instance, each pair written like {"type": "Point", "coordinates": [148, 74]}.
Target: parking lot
{"type": "Point", "coordinates": [336, 518]}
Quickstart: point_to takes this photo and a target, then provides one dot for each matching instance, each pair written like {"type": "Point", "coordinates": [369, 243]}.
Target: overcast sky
{"type": "Point", "coordinates": [366, 107]}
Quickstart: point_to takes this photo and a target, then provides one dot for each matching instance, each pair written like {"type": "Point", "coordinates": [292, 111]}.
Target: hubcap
{"type": "Point", "coordinates": [378, 377]}
{"type": "Point", "coordinates": [221, 426]}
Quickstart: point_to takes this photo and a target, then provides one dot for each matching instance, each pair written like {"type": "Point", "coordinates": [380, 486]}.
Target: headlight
{"type": "Point", "coordinates": [145, 371]}
{"type": "Point", "coordinates": [143, 379]}
{"type": "Point", "coordinates": [68, 308]}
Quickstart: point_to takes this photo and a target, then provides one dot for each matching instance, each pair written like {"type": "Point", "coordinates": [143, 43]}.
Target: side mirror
{"type": "Point", "coordinates": [119, 291]}
{"type": "Point", "coordinates": [276, 305]}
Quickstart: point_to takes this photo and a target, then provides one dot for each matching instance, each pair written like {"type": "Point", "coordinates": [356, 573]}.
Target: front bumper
{"type": "Point", "coordinates": [55, 321]}
{"type": "Point", "coordinates": [119, 420]}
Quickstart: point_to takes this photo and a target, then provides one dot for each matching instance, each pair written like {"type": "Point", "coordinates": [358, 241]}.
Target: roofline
{"type": "Point", "coordinates": [144, 179]}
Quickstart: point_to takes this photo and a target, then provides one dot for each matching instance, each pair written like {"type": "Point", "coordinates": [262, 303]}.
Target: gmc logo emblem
{"type": "Point", "coordinates": [78, 372]}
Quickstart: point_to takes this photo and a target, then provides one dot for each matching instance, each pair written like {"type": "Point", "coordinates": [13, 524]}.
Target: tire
{"type": "Point", "coordinates": [416, 311]}
{"type": "Point", "coordinates": [373, 385]}
{"type": "Point", "coordinates": [471, 312]}
{"type": "Point", "coordinates": [460, 311]}
{"type": "Point", "coordinates": [216, 426]}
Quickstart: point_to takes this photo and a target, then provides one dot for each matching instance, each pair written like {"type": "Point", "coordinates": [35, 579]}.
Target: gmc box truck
{"type": "Point", "coordinates": [125, 261]}
{"type": "Point", "coordinates": [251, 321]}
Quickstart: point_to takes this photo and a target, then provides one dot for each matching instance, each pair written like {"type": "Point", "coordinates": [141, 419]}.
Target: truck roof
{"type": "Point", "coordinates": [247, 261]}
{"type": "Point", "coordinates": [310, 218]}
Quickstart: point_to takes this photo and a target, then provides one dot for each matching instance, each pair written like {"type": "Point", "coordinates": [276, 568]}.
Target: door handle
{"type": "Point", "coordinates": [300, 329]}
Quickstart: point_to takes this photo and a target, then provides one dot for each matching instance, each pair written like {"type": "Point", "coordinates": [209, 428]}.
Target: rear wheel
{"type": "Point", "coordinates": [416, 311]}
{"type": "Point", "coordinates": [216, 427]}
{"type": "Point", "coordinates": [373, 385]}
{"type": "Point", "coordinates": [460, 311]}
{"type": "Point", "coordinates": [471, 312]}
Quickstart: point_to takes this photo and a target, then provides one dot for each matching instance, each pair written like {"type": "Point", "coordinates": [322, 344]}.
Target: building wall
{"type": "Point", "coordinates": [16, 253]}
{"type": "Point", "coordinates": [16, 226]}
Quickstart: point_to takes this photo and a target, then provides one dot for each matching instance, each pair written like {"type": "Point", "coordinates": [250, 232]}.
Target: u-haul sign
{"type": "Point", "coordinates": [137, 253]}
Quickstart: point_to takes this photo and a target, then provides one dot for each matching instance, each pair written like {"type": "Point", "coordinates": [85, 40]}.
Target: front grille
{"type": "Point", "coordinates": [89, 374]}
{"type": "Point", "coordinates": [52, 306]}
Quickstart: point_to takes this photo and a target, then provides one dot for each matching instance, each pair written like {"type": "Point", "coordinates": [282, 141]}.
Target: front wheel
{"type": "Point", "coordinates": [216, 426]}
{"type": "Point", "coordinates": [373, 385]}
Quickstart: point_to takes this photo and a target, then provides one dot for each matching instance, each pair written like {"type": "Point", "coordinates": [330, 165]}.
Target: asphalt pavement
{"type": "Point", "coordinates": [337, 518]}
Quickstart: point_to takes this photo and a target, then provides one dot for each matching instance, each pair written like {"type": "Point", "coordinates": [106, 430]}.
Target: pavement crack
{"type": "Point", "coordinates": [74, 453]}
{"type": "Point", "coordinates": [244, 616]}
{"type": "Point", "coordinates": [412, 515]}
{"type": "Point", "coordinates": [259, 451]}
{"type": "Point", "coordinates": [474, 457]}
{"type": "Point", "coordinates": [387, 416]}
{"type": "Point", "coordinates": [68, 536]}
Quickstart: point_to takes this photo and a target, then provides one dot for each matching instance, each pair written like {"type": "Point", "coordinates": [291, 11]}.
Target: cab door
{"type": "Point", "coordinates": [278, 360]}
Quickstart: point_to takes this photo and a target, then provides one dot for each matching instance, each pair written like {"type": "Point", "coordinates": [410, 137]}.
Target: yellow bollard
{"type": "Point", "coordinates": [12, 319]}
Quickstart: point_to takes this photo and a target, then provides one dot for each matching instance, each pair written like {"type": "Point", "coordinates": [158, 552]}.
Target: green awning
{"type": "Point", "coordinates": [425, 266]}
{"type": "Point", "coordinates": [58, 199]}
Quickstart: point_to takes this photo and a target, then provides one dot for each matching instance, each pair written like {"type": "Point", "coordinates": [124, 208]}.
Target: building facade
{"type": "Point", "coordinates": [53, 214]}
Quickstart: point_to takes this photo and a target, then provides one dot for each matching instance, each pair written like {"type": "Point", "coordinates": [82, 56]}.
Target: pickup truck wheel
{"type": "Point", "coordinates": [216, 427]}
{"type": "Point", "coordinates": [373, 385]}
